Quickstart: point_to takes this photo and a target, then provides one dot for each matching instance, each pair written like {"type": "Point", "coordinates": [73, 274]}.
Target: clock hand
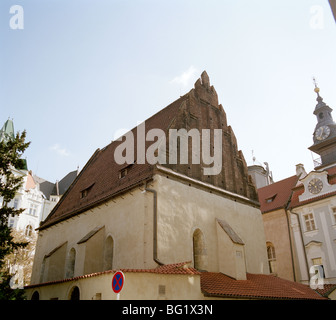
{"type": "Point", "coordinates": [321, 133]}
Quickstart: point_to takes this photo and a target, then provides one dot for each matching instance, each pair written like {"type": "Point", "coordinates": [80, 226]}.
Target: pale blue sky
{"type": "Point", "coordinates": [80, 71]}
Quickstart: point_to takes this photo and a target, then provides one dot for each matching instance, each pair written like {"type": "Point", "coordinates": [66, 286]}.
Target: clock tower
{"type": "Point", "coordinates": [324, 135]}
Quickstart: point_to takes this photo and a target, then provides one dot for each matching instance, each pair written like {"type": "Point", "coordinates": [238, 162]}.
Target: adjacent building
{"type": "Point", "coordinates": [313, 204]}
{"type": "Point", "coordinates": [299, 213]}
{"type": "Point", "coordinates": [36, 195]}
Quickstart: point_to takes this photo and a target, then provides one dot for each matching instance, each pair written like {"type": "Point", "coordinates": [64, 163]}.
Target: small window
{"type": "Point", "coordinates": [84, 193]}
{"type": "Point", "coordinates": [334, 214]}
{"type": "Point", "coordinates": [271, 198]}
{"type": "Point", "coordinates": [309, 222]}
{"type": "Point", "coordinates": [98, 296]}
{"type": "Point", "coordinates": [75, 294]}
{"type": "Point", "coordinates": [162, 290]}
{"type": "Point", "coordinates": [321, 115]}
{"type": "Point", "coordinates": [16, 204]}
{"type": "Point", "coordinates": [28, 231]}
{"type": "Point", "coordinates": [122, 173]}
{"type": "Point", "coordinates": [35, 296]}
{"type": "Point", "coordinates": [11, 223]}
{"type": "Point", "coordinates": [318, 262]}
{"type": "Point", "coordinates": [33, 209]}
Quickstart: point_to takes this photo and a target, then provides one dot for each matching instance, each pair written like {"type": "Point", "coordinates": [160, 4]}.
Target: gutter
{"type": "Point", "coordinates": [304, 248]}
{"type": "Point", "coordinates": [291, 244]}
{"type": "Point", "coordinates": [155, 253]}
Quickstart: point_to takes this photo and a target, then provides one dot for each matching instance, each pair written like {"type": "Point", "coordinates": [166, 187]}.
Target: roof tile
{"type": "Point", "coordinates": [280, 193]}
{"type": "Point", "coordinates": [259, 286]}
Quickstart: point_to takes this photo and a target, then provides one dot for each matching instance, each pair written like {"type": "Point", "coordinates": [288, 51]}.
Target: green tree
{"type": "Point", "coordinates": [11, 151]}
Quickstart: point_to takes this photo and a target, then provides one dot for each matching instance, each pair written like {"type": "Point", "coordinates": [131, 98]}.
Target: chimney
{"type": "Point", "coordinates": [57, 188]}
{"type": "Point", "coordinates": [300, 170]}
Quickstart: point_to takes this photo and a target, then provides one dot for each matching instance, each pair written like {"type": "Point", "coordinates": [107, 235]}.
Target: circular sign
{"type": "Point", "coordinates": [118, 281]}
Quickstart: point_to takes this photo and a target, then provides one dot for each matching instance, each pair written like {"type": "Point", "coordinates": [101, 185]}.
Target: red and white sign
{"type": "Point", "coordinates": [118, 281]}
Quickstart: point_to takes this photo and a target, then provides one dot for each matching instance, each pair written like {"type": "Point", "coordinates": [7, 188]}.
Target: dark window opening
{"type": "Point", "coordinates": [75, 294]}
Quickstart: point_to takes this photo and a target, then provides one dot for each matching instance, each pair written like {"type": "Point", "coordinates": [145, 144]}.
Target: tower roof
{"type": "Point", "coordinates": [319, 99]}
{"type": "Point", "coordinates": [7, 131]}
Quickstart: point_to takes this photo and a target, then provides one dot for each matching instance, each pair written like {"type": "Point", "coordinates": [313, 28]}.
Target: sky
{"type": "Point", "coordinates": [76, 74]}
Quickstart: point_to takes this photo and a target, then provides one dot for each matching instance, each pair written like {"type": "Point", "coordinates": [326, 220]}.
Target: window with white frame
{"type": "Point", "coordinates": [11, 223]}
{"type": "Point", "coordinates": [33, 209]}
{"type": "Point", "coordinates": [309, 222]}
{"type": "Point", "coordinates": [334, 214]}
{"type": "Point", "coordinates": [271, 257]}
{"type": "Point", "coordinates": [318, 262]}
{"type": "Point", "coordinates": [16, 203]}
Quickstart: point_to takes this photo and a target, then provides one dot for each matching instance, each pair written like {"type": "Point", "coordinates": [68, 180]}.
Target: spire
{"type": "Point", "coordinates": [319, 99]}
{"type": "Point", "coordinates": [7, 131]}
{"type": "Point", "coordinates": [317, 90]}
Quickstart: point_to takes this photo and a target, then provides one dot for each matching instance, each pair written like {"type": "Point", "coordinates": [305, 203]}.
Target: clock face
{"type": "Point", "coordinates": [322, 133]}
{"type": "Point", "coordinates": [315, 186]}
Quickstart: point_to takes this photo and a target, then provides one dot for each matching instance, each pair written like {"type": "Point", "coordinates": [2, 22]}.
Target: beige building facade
{"type": "Point", "coordinates": [187, 219]}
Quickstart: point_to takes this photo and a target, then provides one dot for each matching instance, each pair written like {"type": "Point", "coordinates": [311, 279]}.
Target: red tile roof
{"type": "Point", "coordinates": [326, 290]}
{"type": "Point", "coordinates": [279, 191]}
{"type": "Point", "coordinates": [298, 190]}
{"type": "Point", "coordinates": [175, 268]}
{"type": "Point", "coordinates": [256, 286]}
{"type": "Point", "coordinates": [215, 284]}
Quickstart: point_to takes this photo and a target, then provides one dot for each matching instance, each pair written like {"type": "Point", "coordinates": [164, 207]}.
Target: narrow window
{"type": "Point", "coordinates": [71, 264]}
{"type": "Point", "coordinates": [16, 204]}
{"type": "Point", "coordinates": [74, 295]}
{"type": "Point", "coordinates": [108, 253]}
{"type": "Point", "coordinates": [334, 214]}
{"type": "Point", "coordinates": [28, 231]}
{"type": "Point", "coordinates": [271, 257]}
{"type": "Point", "coordinates": [199, 250]}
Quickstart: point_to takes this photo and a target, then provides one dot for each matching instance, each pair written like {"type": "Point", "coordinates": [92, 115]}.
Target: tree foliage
{"type": "Point", "coordinates": [11, 151]}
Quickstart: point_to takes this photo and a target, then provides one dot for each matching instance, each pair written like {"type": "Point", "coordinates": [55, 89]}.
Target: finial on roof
{"type": "Point", "coordinates": [317, 90]}
{"type": "Point", "coordinates": [205, 79]}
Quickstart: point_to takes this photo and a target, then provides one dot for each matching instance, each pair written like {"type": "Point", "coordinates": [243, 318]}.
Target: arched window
{"type": "Point", "coordinates": [199, 250]}
{"type": "Point", "coordinates": [28, 230]}
{"type": "Point", "coordinates": [271, 257]}
{"type": "Point", "coordinates": [74, 294]}
{"type": "Point", "coordinates": [42, 270]}
{"type": "Point", "coordinates": [70, 270]}
{"type": "Point", "coordinates": [108, 253]}
{"type": "Point", "coordinates": [35, 296]}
